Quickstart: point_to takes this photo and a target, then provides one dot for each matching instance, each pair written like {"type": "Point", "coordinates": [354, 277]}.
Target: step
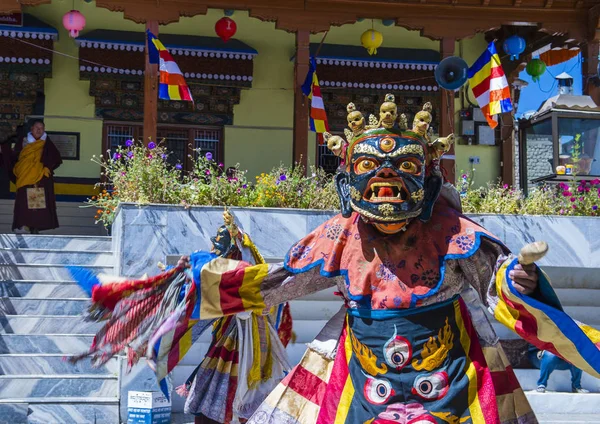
{"type": "Point", "coordinates": [63, 386]}
{"type": "Point", "coordinates": [72, 219]}
{"type": "Point", "coordinates": [42, 289]}
{"type": "Point", "coordinates": [560, 381]}
{"type": "Point", "coordinates": [61, 410]}
{"type": "Point", "coordinates": [41, 241]}
{"type": "Point", "coordinates": [587, 314]}
{"type": "Point", "coordinates": [564, 403]}
{"type": "Point", "coordinates": [564, 418]}
{"type": "Point", "coordinates": [579, 297]}
{"type": "Point", "coordinates": [55, 257]}
{"type": "Point", "coordinates": [65, 230]}
{"type": "Point", "coordinates": [45, 343]}
{"type": "Point", "coordinates": [47, 272]}
{"type": "Point", "coordinates": [36, 306]}
{"type": "Point", "coordinates": [309, 310]}
{"type": "Point", "coordinates": [85, 413]}
{"type": "Point", "coordinates": [51, 364]}
{"type": "Point", "coordinates": [15, 324]}
{"type": "Point", "coordinates": [15, 413]}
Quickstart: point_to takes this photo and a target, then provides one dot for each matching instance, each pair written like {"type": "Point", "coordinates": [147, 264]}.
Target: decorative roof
{"type": "Point", "coordinates": [32, 28]}
{"type": "Point", "coordinates": [387, 57]}
{"type": "Point", "coordinates": [188, 45]}
{"type": "Point", "coordinates": [567, 103]}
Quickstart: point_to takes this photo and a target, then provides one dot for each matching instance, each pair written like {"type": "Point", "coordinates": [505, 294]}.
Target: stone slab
{"type": "Point", "coordinates": [75, 243]}
{"type": "Point", "coordinates": [87, 413]}
{"type": "Point", "coordinates": [44, 364]}
{"type": "Point", "coordinates": [57, 386]}
{"type": "Point", "coordinates": [20, 306]}
{"type": "Point", "coordinates": [42, 290]}
{"type": "Point", "coordinates": [43, 343]}
{"type": "Point", "coordinates": [46, 325]}
{"type": "Point", "coordinates": [55, 257]}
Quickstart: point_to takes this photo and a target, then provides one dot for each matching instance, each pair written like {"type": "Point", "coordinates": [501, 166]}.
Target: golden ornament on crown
{"type": "Point", "coordinates": [390, 120]}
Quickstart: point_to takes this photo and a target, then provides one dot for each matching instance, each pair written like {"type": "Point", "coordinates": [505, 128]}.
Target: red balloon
{"type": "Point", "coordinates": [225, 28]}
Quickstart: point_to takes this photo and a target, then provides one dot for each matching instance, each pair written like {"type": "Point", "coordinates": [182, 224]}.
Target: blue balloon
{"type": "Point", "coordinates": [514, 46]}
{"type": "Point", "coordinates": [451, 73]}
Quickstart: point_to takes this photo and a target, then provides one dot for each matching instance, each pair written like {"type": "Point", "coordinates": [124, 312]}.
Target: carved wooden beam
{"type": "Point", "coordinates": [164, 12]}
{"type": "Point", "coordinates": [549, 4]}
{"type": "Point", "coordinates": [457, 21]}
{"type": "Point", "coordinates": [13, 6]}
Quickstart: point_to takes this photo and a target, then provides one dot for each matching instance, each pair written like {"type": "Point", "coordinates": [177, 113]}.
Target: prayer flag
{"type": "Point", "coordinates": [311, 88]}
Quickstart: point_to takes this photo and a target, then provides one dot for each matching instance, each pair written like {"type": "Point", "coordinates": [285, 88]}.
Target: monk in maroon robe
{"type": "Point", "coordinates": [31, 166]}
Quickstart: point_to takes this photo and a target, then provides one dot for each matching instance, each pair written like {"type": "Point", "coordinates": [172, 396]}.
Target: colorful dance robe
{"type": "Point", "coordinates": [412, 343]}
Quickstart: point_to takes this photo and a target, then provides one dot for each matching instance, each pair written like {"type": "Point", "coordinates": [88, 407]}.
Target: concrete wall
{"type": "Point", "coordinates": [261, 136]}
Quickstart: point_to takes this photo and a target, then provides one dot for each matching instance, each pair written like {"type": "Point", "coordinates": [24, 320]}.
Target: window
{"type": "Point", "coordinates": [117, 135]}
{"type": "Point", "coordinates": [581, 138]}
{"type": "Point", "coordinates": [180, 140]}
{"type": "Point", "coordinates": [208, 140]}
{"type": "Point", "coordinates": [326, 159]}
{"type": "Point", "coordinates": [177, 141]}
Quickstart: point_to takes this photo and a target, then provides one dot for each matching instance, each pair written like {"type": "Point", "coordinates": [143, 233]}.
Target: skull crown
{"type": "Point", "coordinates": [390, 119]}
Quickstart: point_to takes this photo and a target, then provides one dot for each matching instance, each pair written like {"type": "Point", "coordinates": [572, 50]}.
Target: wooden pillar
{"type": "Point", "coordinates": [300, 146]}
{"type": "Point", "coordinates": [447, 114]}
{"type": "Point", "coordinates": [150, 91]}
{"type": "Point", "coordinates": [591, 83]}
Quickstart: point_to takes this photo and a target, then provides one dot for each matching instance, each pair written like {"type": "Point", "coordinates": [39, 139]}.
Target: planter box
{"type": "Point", "coordinates": [143, 236]}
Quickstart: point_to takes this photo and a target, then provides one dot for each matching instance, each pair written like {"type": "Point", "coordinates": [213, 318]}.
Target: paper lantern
{"type": "Point", "coordinates": [535, 68]}
{"type": "Point", "coordinates": [74, 22]}
{"type": "Point", "coordinates": [371, 40]}
{"type": "Point", "coordinates": [225, 28]}
{"type": "Point", "coordinates": [514, 46]}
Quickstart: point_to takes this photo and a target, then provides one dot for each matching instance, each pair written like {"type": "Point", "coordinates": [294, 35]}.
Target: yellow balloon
{"type": "Point", "coordinates": [371, 40]}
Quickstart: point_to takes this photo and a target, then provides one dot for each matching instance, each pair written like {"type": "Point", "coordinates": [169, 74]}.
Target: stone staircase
{"type": "Point", "coordinates": [40, 308]}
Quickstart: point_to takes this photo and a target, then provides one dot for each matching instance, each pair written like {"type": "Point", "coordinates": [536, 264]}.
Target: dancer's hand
{"type": "Point", "coordinates": [525, 278]}
{"type": "Point", "coordinates": [184, 262]}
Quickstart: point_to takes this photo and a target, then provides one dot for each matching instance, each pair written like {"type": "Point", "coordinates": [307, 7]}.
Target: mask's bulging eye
{"type": "Point", "coordinates": [365, 165]}
{"type": "Point", "coordinates": [409, 167]}
{"type": "Point", "coordinates": [378, 391]}
{"type": "Point", "coordinates": [397, 352]}
{"type": "Point", "coordinates": [431, 386]}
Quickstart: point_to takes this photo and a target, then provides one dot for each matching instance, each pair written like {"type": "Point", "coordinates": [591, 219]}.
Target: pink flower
{"type": "Point", "coordinates": [505, 186]}
{"type": "Point", "coordinates": [580, 189]}
{"type": "Point", "coordinates": [595, 181]}
{"type": "Point", "coordinates": [561, 212]}
{"type": "Point", "coordinates": [573, 199]}
{"type": "Point", "coordinates": [207, 172]}
{"type": "Point", "coordinates": [567, 193]}
{"type": "Point", "coordinates": [563, 186]}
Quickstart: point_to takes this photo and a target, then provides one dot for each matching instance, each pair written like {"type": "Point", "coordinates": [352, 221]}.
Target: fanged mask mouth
{"type": "Point", "coordinates": [388, 192]}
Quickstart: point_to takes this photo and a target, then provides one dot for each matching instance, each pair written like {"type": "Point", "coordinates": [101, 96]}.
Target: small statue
{"type": "Point", "coordinates": [356, 120]}
{"type": "Point", "coordinates": [403, 122]}
{"type": "Point", "coordinates": [441, 146]}
{"type": "Point", "coordinates": [423, 120]}
{"type": "Point", "coordinates": [388, 112]}
{"type": "Point", "coordinates": [373, 122]}
{"type": "Point", "coordinates": [335, 143]}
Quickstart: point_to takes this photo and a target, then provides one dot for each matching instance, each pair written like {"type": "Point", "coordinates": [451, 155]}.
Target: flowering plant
{"type": "Point", "coordinates": [573, 198]}
{"type": "Point", "coordinates": [143, 174]}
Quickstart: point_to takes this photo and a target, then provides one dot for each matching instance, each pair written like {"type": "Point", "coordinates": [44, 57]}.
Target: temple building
{"type": "Point", "coordinates": [94, 93]}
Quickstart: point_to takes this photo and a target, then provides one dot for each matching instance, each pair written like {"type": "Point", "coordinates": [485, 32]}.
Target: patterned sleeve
{"type": "Point", "coordinates": [230, 287]}
{"type": "Point", "coordinates": [537, 318]}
